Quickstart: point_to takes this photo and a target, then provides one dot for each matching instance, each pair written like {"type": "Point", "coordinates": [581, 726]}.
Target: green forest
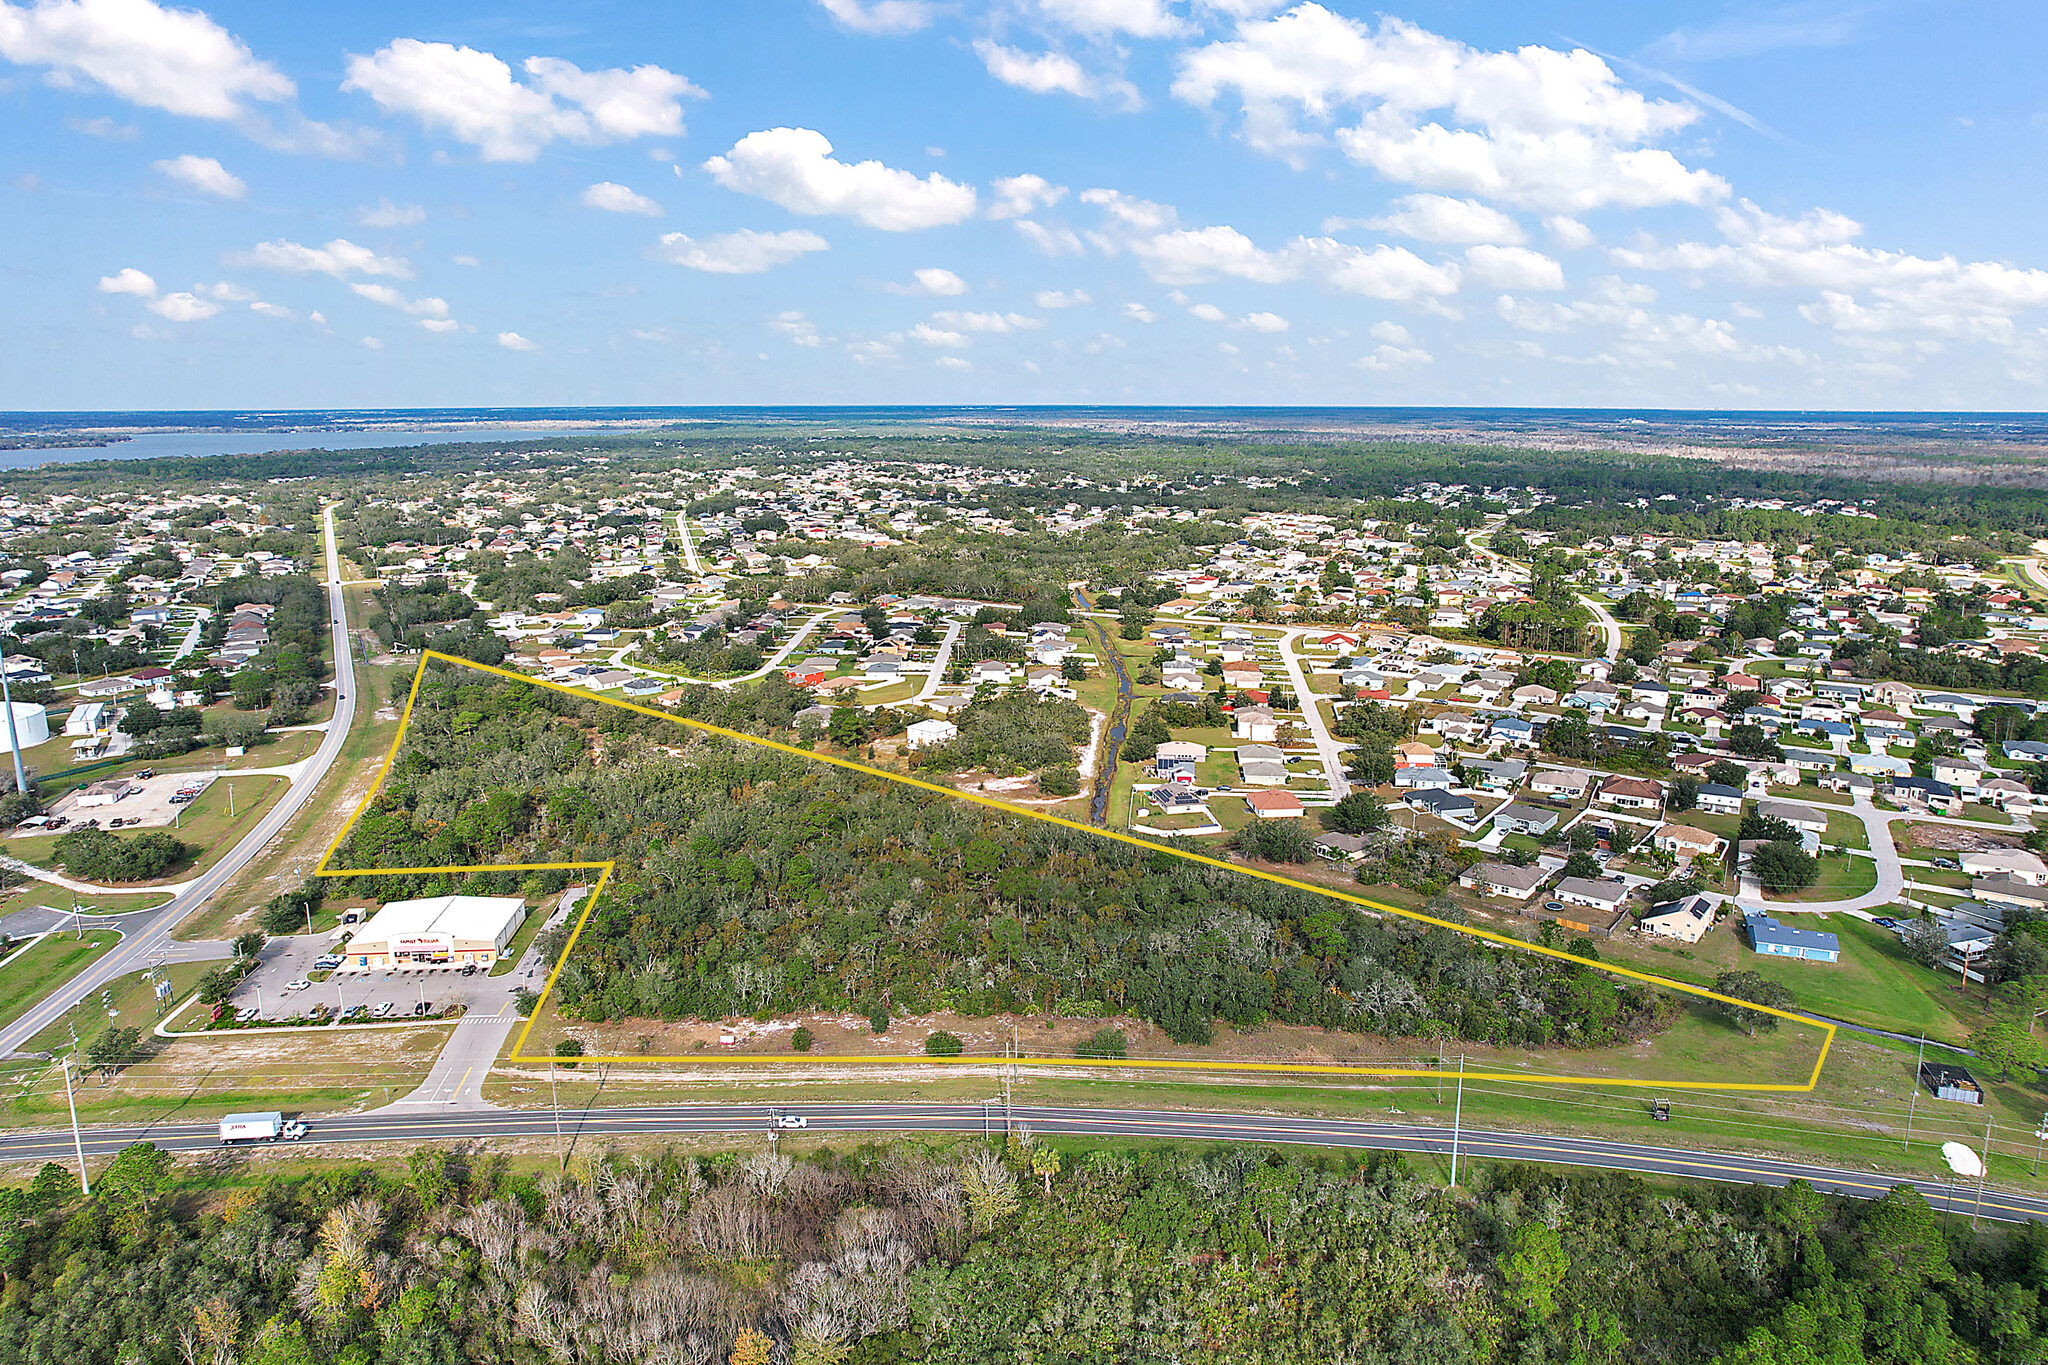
{"type": "Point", "coordinates": [1017, 1253]}
{"type": "Point", "coordinates": [754, 882]}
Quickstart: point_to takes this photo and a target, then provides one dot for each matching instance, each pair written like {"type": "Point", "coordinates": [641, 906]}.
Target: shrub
{"type": "Point", "coordinates": [1108, 1044]}
{"type": "Point", "coordinates": [99, 856]}
{"type": "Point", "coordinates": [943, 1044]}
{"type": "Point", "coordinates": [569, 1047]}
{"type": "Point", "coordinates": [879, 1021]}
{"type": "Point", "coordinates": [801, 1039]}
{"type": "Point", "coordinates": [1059, 782]}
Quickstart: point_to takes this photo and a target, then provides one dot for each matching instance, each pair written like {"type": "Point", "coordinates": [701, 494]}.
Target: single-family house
{"type": "Point", "coordinates": [923, 734]}
{"type": "Point", "coordinates": [1716, 798]}
{"type": "Point", "coordinates": [1274, 805]}
{"type": "Point", "coordinates": [1561, 784]}
{"type": "Point", "coordinates": [1515, 818]}
{"type": "Point", "coordinates": [1686, 920]}
{"type": "Point", "coordinates": [1501, 879]}
{"type": "Point", "coordinates": [1255, 722]}
{"type": "Point", "coordinates": [1428, 779]}
{"type": "Point", "coordinates": [1445, 805]}
{"type": "Point", "coordinates": [1684, 841]}
{"type": "Point", "coordinates": [1799, 817]}
{"type": "Point", "coordinates": [1773, 939]}
{"type": "Point", "coordinates": [1597, 893]}
{"type": "Point", "coordinates": [1630, 793]}
{"type": "Point", "coordinates": [1178, 755]}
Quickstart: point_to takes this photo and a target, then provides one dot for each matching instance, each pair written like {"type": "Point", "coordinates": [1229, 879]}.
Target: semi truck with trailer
{"type": "Point", "coordinates": [259, 1128]}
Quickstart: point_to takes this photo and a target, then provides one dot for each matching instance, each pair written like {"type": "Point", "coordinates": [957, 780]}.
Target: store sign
{"type": "Point", "coordinates": [432, 947]}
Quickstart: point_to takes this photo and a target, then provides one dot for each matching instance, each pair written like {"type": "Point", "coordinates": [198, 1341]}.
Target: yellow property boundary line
{"type": "Point", "coordinates": [604, 871]}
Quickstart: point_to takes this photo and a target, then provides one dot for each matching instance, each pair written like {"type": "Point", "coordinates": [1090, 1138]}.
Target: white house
{"type": "Point", "coordinates": [922, 734]}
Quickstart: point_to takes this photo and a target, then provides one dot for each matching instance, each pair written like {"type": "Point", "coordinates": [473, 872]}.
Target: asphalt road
{"type": "Point", "coordinates": [585, 1126]}
{"type": "Point", "coordinates": [149, 938]}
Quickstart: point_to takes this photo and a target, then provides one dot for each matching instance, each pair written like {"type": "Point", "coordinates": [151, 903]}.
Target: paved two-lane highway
{"type": "Point", "coordinates": [150, 937]}
{"type": "Point", "coordinates": [829, 1120]}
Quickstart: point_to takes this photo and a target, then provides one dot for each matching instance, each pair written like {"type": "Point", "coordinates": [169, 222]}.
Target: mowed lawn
{"type": "Point", "coordinates": [34, 973]}
{"type": "Point", "coordinates": [1841, 878]}
{"type": "Point", "coordinates": [1875, 983]}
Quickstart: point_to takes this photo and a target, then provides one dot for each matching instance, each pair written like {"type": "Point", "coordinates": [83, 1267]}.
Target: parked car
{"type": "Point", "coordinates": [1886, 923]}
{"type": "Point", "coordinates": [355, 1011]}
{"type": "Point", "coordinates": [420, 1009]}
{"type": "Point", "coordinates": [326, 964]}
{"type": "Point", "coordinates": [298, 985]}
{"type": "Point", "coordinates": [385, 1010]}
{"type": "Point", "coordinates": [146, 772]}
{"type": "Point", "coordinates": [1946, 864]}
{"type": "Point", "coordinates": [469, 969]}
{"type": "Point", "coordinates": [246, 1013]}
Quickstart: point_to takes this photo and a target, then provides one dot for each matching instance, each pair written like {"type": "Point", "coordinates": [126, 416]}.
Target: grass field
{"type": "Point", "coordinates": [1875, 983]}
{"type": "Point", "coordinates": [132, 1005]}
{"type": "Point", "coordinates": [1857, 1117]}
{"type": "Point", "coordinates": [206, 823]}
{"type": "Point", "coordinates": [1842, 876]}
{"type": "Point", "coordinates": [35, 972]}
{"type": "Point", "coordinates": [198, 1079]}
{"type": "Point", "coordinates": [284, 863]}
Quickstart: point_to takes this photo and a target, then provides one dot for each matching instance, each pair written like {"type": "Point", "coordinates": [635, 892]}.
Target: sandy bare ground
{"type": "Point", "coordinates": [1955, 839]}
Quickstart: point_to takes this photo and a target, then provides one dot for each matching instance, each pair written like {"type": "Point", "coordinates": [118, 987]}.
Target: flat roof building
{"type": "Point", "coordinates": [439, 931]}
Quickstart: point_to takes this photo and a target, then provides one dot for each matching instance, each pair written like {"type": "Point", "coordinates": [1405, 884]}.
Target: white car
{"type": "Point", "coordinates": [791, 1121]}
{"type": "Point", "coordinates": [384, 1010]}
{"type": "Point", "coordinates": [246, 1013]}
{"type": "Point", "coordinates": [299, 985]}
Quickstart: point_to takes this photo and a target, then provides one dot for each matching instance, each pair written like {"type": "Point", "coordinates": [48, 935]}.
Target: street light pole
{"type": "Point", "coordinates": [1915, 1095]}
{"type": "Point", "coordinates": [13, 737]}
{"type": "Point", "coordinates": [77, 1142]}
{"type": "Point", "coordinates": [1457, 1119]}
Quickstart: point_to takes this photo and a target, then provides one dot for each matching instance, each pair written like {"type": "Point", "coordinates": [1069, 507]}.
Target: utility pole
{"type": "Point", "coordinates": [1983, 1169]}
{"type": "Point", "coordinates": [555, 1098]}
{"type": "Point", "coordinates": [2040, 1133]}
{"type": "Point", "coordinates": [1915, 1095]}
{"type": "Point", "coordinates": [13, 738]}
{"type": "Point", "coordinates": [1457, 1120]}
{"type": "Point", "coordinates": [77, 1142]}
{"type": "Point", "coordinates": [1439, 1069]}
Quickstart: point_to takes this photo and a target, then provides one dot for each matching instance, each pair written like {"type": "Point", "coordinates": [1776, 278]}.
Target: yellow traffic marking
{"type": "Point", "coordinates": [604, 870]}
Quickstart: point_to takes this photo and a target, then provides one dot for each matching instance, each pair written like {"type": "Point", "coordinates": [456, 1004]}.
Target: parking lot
{"type": "Point", "coordinates": [286, 960]}
{"type": "Point", "coordinates": [149, 803]}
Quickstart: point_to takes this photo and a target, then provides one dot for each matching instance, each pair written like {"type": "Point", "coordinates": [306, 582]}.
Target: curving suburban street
{"type": "Point", "coordinates": [147, 936]}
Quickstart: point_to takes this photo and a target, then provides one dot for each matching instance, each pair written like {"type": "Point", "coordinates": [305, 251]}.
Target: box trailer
{"type": "Point", "coordinates": [259, 1128]}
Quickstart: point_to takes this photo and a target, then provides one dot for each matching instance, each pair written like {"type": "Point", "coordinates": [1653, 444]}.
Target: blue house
{"type": "Point", "coordinates": [1773, 939]}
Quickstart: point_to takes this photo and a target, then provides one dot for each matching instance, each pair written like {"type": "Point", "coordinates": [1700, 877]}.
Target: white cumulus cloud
{"type": "Point", "coordinates": [1440, 218]}
{"type": "Point", "coordinates": [473, 97]}
{"type": "Point", "coordinates": [338, 258]}
{"type": "Point", "coordinates": [745, 252]}
{"type": "Point", "coordinates": [183, 307]}
{"type": "Point", "coordinates": [996, 323]}
{"type": "Point", "coordinates": [1017, 195]}
{"type": "Point", "coordinates": [934, 281]}
{"type": "Point", "coordinates": [880, 16]}
{"type": "Point", "coordinates": [434, 308]}
{"type": "Point", "coordinates": [1106, 18]}
{"type": "Point", "coordinates": [794, 167]}
{"type": "Point", "coordinates": [177, 60]}
{"type": "Point", "coordinates": [616, 198]}
{"type": "Point", "coordinates": [1513, 267]}
{"type": "Point", "coordinates": [1534, 126]}
{"type": "Point", "coordinates": [1058, 298]}
{"type": "Point", "coordinates": [129, 281]}
{"type": "Point", "coordinates": [512, 341]}
{"type": "Point", "coordinates": [203, 173]}
{"type": "Point", "coordinates": [1263, 322]}
{"type": "Point", "coordinates": [389, 215]}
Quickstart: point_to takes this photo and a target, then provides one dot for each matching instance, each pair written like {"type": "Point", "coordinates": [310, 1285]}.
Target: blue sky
{"type": "Point", "coordinates": [1816, 205]}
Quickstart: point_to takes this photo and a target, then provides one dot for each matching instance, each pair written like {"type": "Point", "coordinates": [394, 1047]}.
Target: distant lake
{"type": "Point", "coordinates": [150, 445]}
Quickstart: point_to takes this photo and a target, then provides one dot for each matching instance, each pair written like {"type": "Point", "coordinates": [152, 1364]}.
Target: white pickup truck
{"type": "Point", "coordinates": [259, 1128]}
